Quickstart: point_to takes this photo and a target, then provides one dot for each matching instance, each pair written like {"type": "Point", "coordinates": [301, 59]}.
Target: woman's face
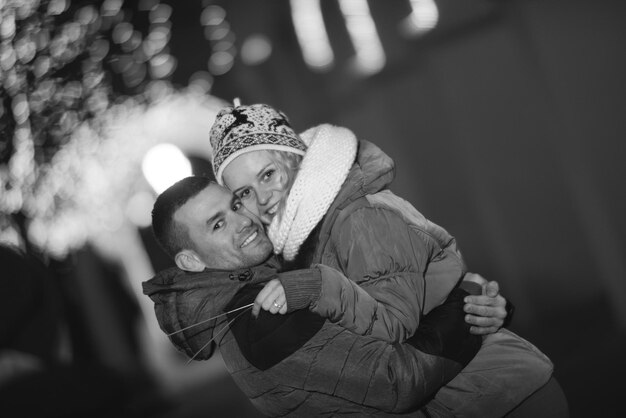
{"type": "Point", "coordinates": [258, 181]}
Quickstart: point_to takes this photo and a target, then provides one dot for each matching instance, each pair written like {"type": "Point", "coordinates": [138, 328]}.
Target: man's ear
{"type": "Point", "coordinates": [188, 260]}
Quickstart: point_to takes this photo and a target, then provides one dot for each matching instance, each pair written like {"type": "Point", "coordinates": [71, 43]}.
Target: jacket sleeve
{"type": "Point", "coordinates": [395, 272]}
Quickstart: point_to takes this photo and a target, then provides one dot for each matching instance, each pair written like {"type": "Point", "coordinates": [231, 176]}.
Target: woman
{"type": "Point", "coordinates": [325, 200]}
{"type": "Point", "coordinates": [257, 156]}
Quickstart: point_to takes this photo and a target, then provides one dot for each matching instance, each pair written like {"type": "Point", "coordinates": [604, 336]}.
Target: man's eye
{"type": "Point", "coordinates": [237, 206]}
{"type": "Point", "coordinates": [218, 225]}
{"type": "Point", "coordinates": [244, 193]}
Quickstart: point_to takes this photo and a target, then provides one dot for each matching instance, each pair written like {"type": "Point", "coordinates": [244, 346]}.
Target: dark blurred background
{"type": "Point", "coordinates": [506, 120]}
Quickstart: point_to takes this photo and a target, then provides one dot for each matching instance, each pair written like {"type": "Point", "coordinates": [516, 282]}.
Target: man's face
{"type": "Point", "coordinates": [225, 234]}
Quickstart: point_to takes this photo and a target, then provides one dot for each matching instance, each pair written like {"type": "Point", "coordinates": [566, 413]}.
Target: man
{"type": "Point", "coordinates": [296, 364]}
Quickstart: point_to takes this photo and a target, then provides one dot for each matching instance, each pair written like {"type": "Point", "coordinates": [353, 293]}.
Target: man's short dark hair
{"type": "Point", "coordinates": [171, 235]}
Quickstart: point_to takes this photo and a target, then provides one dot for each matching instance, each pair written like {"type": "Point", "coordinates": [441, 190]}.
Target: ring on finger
{"type": "Point", "coordinates": [278, 306]}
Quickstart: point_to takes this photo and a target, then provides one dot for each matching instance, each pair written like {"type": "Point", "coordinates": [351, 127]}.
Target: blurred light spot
{"type": "Point", "coordinates": [111, 7]}
{"type": "Point", "coordinates": [121, 63]}
{"type": "Point", "coordinates": [201, 81]}
{"type": "Point", "coordinates": [160, 14]}
{"type": "Point", "coordinates": [7, 25]}
{"type": "Point", "coordinates": [158, 89]}
{"type": "Point", "coordinates": [222, 46]}
{"type": "Point", "coordinates": [122, 32]}
{"type": "Point", "coordinates": [133, 42]}
{"type": "Point", "coordinates": [41, 66]}
{"type": "Point", "coordinates": [86, 15]}
{"type": "Point", "coordinates": [68, 121]}
{"type": "Point", "coordinates": [20, 108]}
{"type": "Point", "coordinates": [216, 33]}
{"type": "Point", "coordinates": [256, 49]}
{"type": "Point", "coordinates": [135, 75]}
{"type": "Point", "coordinates": [7, 58]}
{"type": "Point", "coordinates": [26, 9]}
{"type": "Point", "coordinates": [56, 7]}
{"type": "Point", "coordinates": [423, 18]}
{"type": "Point", "coordinates": [99, 49]}
{"type": "Point", "coordinates": [212, 15]}
{"type": "Point", "coordinates": [139, 54]}
{"type": "Point", "coordinates": [162, 65]}
{"type": "Point", "coordinates": [92, 79]}
{"type": "Point", "coordinates": [157, 40]}
{"type": "Point", "coordinates": [58, 46]}
{"type": "Point", "coordinates": [220, 62]}
{"type": "Point", "coordinates": [73, 90]}
{"type": "Point", "coordinates": [11, 81]}
{"type": "Point", "coordinates": [73, 31]}
{"type": "Point", "coordinates": [160, 156]}
{"type": "Point", "coordinates": [139, 209]}
{"type": "Point", "coordinates": [25, 50]}
{"type": "Point", "coordinates": [311, 33]}
{"type": "Point", "coordinates": [42, 39]}
{"type": "Point", "coordinates": [370, 56]}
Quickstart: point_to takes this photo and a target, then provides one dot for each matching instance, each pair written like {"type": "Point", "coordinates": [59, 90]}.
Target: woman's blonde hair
{"type": "Point", "coordinates": [288, 163]}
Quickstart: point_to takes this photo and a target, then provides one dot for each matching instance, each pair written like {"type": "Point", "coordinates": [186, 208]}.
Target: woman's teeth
{"type": "Point", "coordinates": [272, 210]}
{"type": "Point", "coordinates": [249, 239]}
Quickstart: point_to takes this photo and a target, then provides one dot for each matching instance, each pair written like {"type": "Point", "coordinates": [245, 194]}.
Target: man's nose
{"type": "Point", "coordinates": [243, 222]}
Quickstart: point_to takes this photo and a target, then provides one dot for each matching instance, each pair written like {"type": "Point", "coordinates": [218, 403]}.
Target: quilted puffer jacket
{"type": "Point", "coordinates": [406, 265]}
{"type": "Point", "coordinates": [300, 364]}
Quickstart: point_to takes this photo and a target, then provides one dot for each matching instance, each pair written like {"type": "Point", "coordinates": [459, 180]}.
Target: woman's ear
{"type": "Point", "coordinates": [188, 260]}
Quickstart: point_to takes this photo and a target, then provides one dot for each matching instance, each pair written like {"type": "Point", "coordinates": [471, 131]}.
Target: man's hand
{"type": "Point", "coordinates": [271, 298]}
{"type": "Point", "coordinates": [486, 312]}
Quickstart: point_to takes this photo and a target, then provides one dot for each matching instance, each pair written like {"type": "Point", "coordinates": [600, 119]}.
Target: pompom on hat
{"type": "Point", "coordinates": [244, 128]}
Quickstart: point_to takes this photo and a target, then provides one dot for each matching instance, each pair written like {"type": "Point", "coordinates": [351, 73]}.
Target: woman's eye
{"type": "Point", "coordinates": [244, 193]}
{"type": "Point", "coordinates": [268, 174]}
{"type": "Point", "coordinates": [218, 225]}
{"type": "Point", "coordinates": [237, 206]}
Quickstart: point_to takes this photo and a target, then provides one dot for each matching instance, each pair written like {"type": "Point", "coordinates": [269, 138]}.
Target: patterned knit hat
{"type": "Point", "coordinates": [239, 129]}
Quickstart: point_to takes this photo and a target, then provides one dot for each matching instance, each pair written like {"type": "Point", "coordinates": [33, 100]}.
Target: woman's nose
{"type": "Point", "coordinates": [264, 196]}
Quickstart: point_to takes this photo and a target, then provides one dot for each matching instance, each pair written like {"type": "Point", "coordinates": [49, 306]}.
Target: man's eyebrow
{"type": "Point", "coordinates": [213, 218]}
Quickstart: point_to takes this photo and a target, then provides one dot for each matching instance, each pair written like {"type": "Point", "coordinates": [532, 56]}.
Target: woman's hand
{"type": "Point", "coordinates": [271, 298]}
{"type": "Point", "coordinates": [486, 312]}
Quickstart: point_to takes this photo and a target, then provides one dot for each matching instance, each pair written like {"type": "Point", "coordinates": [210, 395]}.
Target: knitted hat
{"type": "Point", "coordinates": [239, 129]}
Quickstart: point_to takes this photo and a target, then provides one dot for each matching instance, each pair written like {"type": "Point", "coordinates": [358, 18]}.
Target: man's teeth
{"type": "Point", "coordinates": [272, 210]}
{"type": "Point", "coordinates": [249, 239]}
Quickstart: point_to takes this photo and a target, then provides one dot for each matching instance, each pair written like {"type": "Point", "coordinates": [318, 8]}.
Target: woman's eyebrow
{"type": "Point", "coordinates": [262, 170]}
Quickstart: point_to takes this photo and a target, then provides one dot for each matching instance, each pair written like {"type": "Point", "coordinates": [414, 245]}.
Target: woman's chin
{"type": "Point", "coordinates": [267, 220]}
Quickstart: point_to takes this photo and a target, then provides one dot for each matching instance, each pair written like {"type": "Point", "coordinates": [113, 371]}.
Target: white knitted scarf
{"type": "Point", "coordinates": [330, 154]}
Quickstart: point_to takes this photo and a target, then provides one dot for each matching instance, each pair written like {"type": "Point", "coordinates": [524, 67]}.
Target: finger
{"type": "Point", "coordinates": [480, 300]}
{"type": "Point", "coordinates": [256, 308]}
{"type": "Point", "coordinates": [492, 289]}
{"type": "Point", "coordinates": [483, 331]}
{"type": "Point", "coordinates": [486, 311]}
{"type": "Point", "coordinates": [259, 301]}
{"type": "Point", "coordinates": [283, 309]}
{"type": "Point", "coordinates": [482, 321]}
{"type": "Point", "coordinates": [276, 300]}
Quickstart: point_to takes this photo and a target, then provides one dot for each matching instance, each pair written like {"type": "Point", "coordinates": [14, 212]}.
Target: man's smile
{"type": "Point", "coordinates": [250, 238]}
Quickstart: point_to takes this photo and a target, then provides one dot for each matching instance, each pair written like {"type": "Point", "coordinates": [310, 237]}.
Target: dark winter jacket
{"type": "Point", "coordinates": [299, 364]}
{"type": "Point", "coordinates": [405, 265]}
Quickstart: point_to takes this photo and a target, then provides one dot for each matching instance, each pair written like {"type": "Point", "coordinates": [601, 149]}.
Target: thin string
{"type": "Point", "coordinates": [216, 335]}
{"type": "Point", "coordinates": [210, 319]}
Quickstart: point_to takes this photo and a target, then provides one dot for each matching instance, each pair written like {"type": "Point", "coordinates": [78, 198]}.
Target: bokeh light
{"type": "Point", "coordinates": [165, 155]}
